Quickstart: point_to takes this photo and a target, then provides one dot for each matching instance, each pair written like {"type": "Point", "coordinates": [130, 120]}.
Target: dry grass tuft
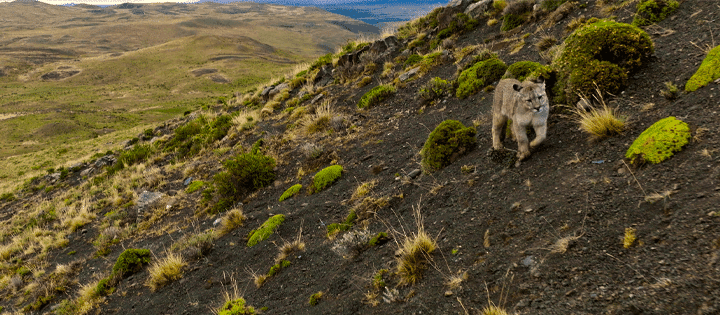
{"type": "Point", "coordinates": [453, 282]}
{"type": "Point", "coordinates": [166, 270]}
{"type": "Point", "coordinates": [492, 309]}
{"type": "Point", "coordinates": [289, 248]}
{"type": "Point", "coordinates": [413, 253]}
{"type": "Point", "coordinates": [600, 123]}
{"type": "Point", "coordinates": [232, 219]}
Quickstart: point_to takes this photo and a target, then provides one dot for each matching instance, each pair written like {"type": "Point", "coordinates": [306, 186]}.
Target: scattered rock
{"type": "Point", "coordinates": [478, 9]}
{"type": "Point", "coordinates": [278, 89]}
{"type": "Point", "coordinates": [407, 75]}
{"type": "Point", "coordinates": [87, 172]}
{"type": "Point", "coordinates": [266, 91]}
{"type": "Point", "coordinates": [105, 160]}
{"type": "Point", "coordinates": [188, 181]}
{"type": "Point", "coordinates": [414, 173]}
{"type": "Point", "coordinates": [317, 98]}
{"type": "Point", "coordinates": [448, 293]}
{"type": "Point", "coordinates": [52, 178]}
{"type": "Point", "coordinates": [148, 199]}
{"type": "Point", "coordinates": [529, 261]}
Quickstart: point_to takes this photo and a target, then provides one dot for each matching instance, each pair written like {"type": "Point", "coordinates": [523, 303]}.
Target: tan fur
{"type": "Point", "coordinates": [526, 104]}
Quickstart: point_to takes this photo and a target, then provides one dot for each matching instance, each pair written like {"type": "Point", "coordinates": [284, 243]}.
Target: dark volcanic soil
{"type": "Point", "coordinates": [500, 225]}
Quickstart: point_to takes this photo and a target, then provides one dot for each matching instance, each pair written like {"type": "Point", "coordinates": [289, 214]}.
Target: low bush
{"type": "Point", "coordinates": [376, 95]}
{"type": "Point", "coordinates": [244, 173]}
{"type": "Point", "coordinates": [195, 186]}
{"type": "Point", "coordinates": [435, 89]}
{"type": "Point", "coordinates": [130, 261]}
{"type": "Point", "coordinates": [478, 76]}
{"type": "Point", "coordinates": [166, 270]}
{"type": "Point", "coordinates": [659, 142]}
{"type": "Point", "coordinates": [236, 307]}
{"type": "Point", "coordinates": [446, 143]}
{"type": "Point", "coordinates": [265, 230]}
{"type": "Point", "coordinates": [521, 70]}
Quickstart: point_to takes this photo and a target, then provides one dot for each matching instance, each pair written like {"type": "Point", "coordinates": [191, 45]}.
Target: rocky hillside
{"type": "Point", "coordinates": [367, 182]}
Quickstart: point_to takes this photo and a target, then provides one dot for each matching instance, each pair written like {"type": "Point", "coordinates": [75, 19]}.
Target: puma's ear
{"type": "Point", "coordinates": [517, 87]}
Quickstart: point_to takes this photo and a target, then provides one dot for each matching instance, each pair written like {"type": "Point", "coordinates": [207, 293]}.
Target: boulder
{"type": "Point", "coordinates": [266, 91]}
{"type": "Point", "coordinates": [385, 46]}
{"type": "Point", "coordinates": [52, 178]}
{"type": "Point", "coordinates": [478, 9]}
{"type": "Point", "coordinates": [351, 58]}
{"type": "Point", "coordinates": [323, 77]}
{"type": "Point", "coordinates": [148, 199]}
{"type": "Point", "coordinates": [77, 166]}
{"type": "Point", "coordinates": [105, 160]}
{"type": "Point", "coordinates": [278, 89]}
{"type": "Point", "coordinates": [449, 11]}
{"type": "Point", "coordinates": [407, 75]}
{"type": "Point", "coordinates": [87, 172]}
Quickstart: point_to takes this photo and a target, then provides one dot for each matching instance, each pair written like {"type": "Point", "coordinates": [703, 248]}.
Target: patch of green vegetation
{"type": "Point", "coordinates": [412, 60]}
{"type": "Point", "coordinates": [243, 174]}
{"type": "Point", "coordinates": [376, 95]}
{"type": "Point", "coordinates": [601, 53]}
{"type": "Point", "coordinates": [709, 71]}
{"type": "Point", "coordinates": [138, 153]}
{"type": "Point", "coordinates": [378, 239]}
{"type": "Point", "coordinates": [7, 197]}
{"type": "Point", "coordinates": [194, 186]}
{"type": "Point", "coordinates": [551, 5]}
{"type": "Point", "coordinates": [419, 41]}
{"type": "Point", "coordinates": [521, 70]}
{"type": "Point", "coordinates": [315, 298]}
{"type": "Point", "coordinates": [104, 287]}
{"type": "Point", "coordinates": [130, 261]}
{"type": "Point", "coordinates": [378, 281]}
{"type": "Point", "coordinates": [323, 60]}
{"type": "Point", "coordinates": [190, 138]}
{"type": "Point", "coordinates": [435, 89]}
{"type": "Point", "coordinates": [448, 141]}
{"type": "Point", "coordinates": [460, 24]}
{"type": "Point", "coordinates": [326, 177]}
{"type": "Point", "coordinates": [511, 21]}
{"type": "Point", "coordinates": [294, 189]}
{"type": "Point", "coordinates": [236, 307]}
{"type": "Point", "coordinates": [478, 76]}
{"type": "Point", "coordinates": [265, 230]}
{"type": "Point", "coordinates": [653, 11]}
{"type": "Point", "coordinates": [659, 142]}
{"type": "Point", "coordinates": [276, 267]}
{"type": "Point", "coordinates": [335, 228]}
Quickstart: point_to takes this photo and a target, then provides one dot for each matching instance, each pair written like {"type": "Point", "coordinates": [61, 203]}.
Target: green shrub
{"type": "Point", "coordinates": [190, 138]}
{"type": "Point", "coordinates": [521, 70]}
{"type": "Point", "coordinates": [347, 225]}
{"type": "Point", "coordinates": [236, 307]}
{"type": "Point", "coordinates": [290, 192]}
{"type": "Point", "coordinates": [265, 230]}
{"type": "Point", "coordinates": [244, 173]}
{"type": "Point", "coordinates": [326, 177]}
{"type": "Point", "coordinates": [435, 89]}
{"type": "Point", "coordinates": [511, 21]}
{"type": "Point", "coordinates": [481, 74]}
{"type": "Point", "coordinates": [448, 141]}
{"type": "Point", "coordinates": [659, 142]}
{"type": "Point", "coordinates": [551, 5]}
{"type": "Point", "coordinates": [601, 53]}
{"type": "Point", "coordinates": [104, 287]}
{"type": "Point", "coordinates": [709, 71]}
{"type": "Point", "coordinates": [377, 239]}
{"type": "Point", "coordinates": [653, 11]}
{"type": "Point", "coordinates": [460, 24]}
{"type": "Point", "coordinates": [428, 62]}
{"type": "Point", "coordinates": [412, 60]}
{"type": "Point", "coordinates": [138, 153]}
{"type": "Point", "coordinates": [326, 59]}
{"type": "Point", "coordinates": [276, 267]}
{"type": "Point", "coordinates": [130, 261]}
{"type": "Point", "coordinates": [195, 186]}
{"type": "Point", "coordinates": [376, 95]}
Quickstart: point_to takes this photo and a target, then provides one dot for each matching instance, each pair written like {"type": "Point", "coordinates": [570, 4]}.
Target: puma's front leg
{"type": "Point", "coordinates": [539, 135]}
{"type": "Point", "coordinates": [522, 140]}
{"type": "Point", "coordinates": [498, 131]}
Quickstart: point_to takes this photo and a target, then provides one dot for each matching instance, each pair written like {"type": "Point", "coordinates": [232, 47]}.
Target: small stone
{"type": "Point", "coordinates": [188, 181]}
{"type": "Point", "coordinates": [621, 171]}
{"type": "Point", "coordinates": [528, 261]}
{"type": "Point", "coordinates": [407, 75]}
{"type": "Point", "coordinates": [415, 173]}
{"type": "Point", "coordinates": [448, 293]}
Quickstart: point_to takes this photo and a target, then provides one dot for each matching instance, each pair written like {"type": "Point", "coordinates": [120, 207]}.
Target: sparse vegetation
{"type": "Point", "coordinates": [414, 253]}
{"type": "Point", "coordinates": [629, 238]}
{"type": "Point", "coordinates": [244, 173]}
{"type": "Point", "coordinates": [481, 74]}
{"type": "Point", "coordinates": [653, 11]}
{"type": "Point", "coordinates": [294, 189]}
{"type": "Point", "coordinates": [709, 70]}
{"type": "Point", "coordinates": [236, 307]}
{"type": "Point", "coordinates": [326, 177]}
{"type": "Point", "coordinates": [670, 92]}
{"type": "Point", "coordinates": [435, 89]}
{"type": "Point", "coordinates": [231, 220]}
{"type": "Point", "coordinates": [166, 270]}
{"type": "Point", "coordinates": [315, 298]}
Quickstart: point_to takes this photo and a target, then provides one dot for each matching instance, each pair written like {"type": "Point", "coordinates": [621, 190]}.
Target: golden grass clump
{"type": "Point", "coordinates": [232, 219]}
{"type": "Point", "coordinates": [629, 238]}
{"type": "Point", "coordinates": [413, 254]}
{"type": "Point", "coordinates": [166, 270]}
{"type": "Point", "coordinates": [492, 309]}
{"type": "Point", "coordinates": [600, 123]}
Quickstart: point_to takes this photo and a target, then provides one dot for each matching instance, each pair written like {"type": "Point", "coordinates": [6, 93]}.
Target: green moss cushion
{"type": "Point", "coordinates": [130, 261]}
{"type": "Point", "coordinates": [265, 230]}
{"type": "Point", "coordinates": [376, 95]}
{"type": "Point", "coordinates": [660, 141]}
{"type": "Point", "coordinates": [709, 70]}
{"type": "Point", "coordinates": [478, 76]}
{"type": "Point", "coordinates": [601, 53]}
{"type": "Point", "coordinates": [653, 11]}
{"type": "Point", "coordinates": [326, 177]}
{"type": "Point", "coordinates": [521, 70]}
{"type": "Point", "coordinates": [290, 192]}
{"type": "Point", "coordinates": [449, 140]}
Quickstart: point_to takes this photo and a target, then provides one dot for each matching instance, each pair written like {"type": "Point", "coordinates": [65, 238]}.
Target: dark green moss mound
{"type": "Point", "coordinates": [326, 177]}
{"type": "Point", "coordinates": [659, 142]}
{"type": "Point", "coordinates": [412, 60]}
{"type": "Point", "coordinates": [376, 95]}
{"type": "Point", "coordinates": [511, 21]}
{"type": "Point", "coordinates": [460, 24]}
{"type": "Point", "coordinates": [478, 76]}
{"type": "Point", "coordinates": [130, 261]}
{"type": "Point", "coordinates": [445, 144]}
{"type": "Point", "coordinates": [244, 173]}
{"type": "Point", "coordinates": [603, 52]}
{"type": "Point", "coordinates": [653, 11]}
{"type": "Point", "coordinates": [521, 70]}
{"type": "Point", "coordinates": [190, 138]}
{"type": "Point", "coordinates": [709, 71]}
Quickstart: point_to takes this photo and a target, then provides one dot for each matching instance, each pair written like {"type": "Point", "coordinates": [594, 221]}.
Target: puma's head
{"type": "Point", "coordinates": [532, 95]}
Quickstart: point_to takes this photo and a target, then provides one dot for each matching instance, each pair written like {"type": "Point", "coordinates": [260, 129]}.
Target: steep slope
{"type": "Point", "coordinates": [546, 237]}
